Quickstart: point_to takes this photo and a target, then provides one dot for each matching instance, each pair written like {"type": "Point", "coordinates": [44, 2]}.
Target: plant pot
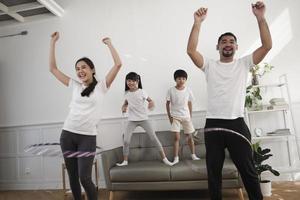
{"type": "Point", "coordinates": [256, 105]}
{"type": "Point", "coordinates": [266, 188]}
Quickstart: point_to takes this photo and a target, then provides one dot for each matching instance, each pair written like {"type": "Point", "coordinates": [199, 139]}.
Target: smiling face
{"type": "Point", "coordinates": [132, 84]}
{"type": "Point", "coordinates": [84, 72]}
{"type": "Point", "coordinates": [227, 47]}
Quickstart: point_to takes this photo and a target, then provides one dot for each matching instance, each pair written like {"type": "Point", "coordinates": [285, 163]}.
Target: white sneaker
{"type": "Point", "coordinates": [124, 163]}
{"type": "Point", "coordinates": [176, 160]}
{"type": "Point", "coordinates": [194, 157]}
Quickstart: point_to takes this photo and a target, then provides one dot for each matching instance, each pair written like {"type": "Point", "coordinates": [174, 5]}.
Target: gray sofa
{"type": "Point", "coordinates": [147, 172]}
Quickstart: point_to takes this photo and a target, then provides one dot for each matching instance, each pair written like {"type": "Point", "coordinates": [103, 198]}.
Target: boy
{"type": "Point", "coordinates": [179, 109]}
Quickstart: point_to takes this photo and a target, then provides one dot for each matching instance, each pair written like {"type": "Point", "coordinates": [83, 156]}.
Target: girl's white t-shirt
{"type": "Point", "coordinates": [85, 112]}
{"type": "Point", "coordinates": [137, 105]}
{"type": "Point", "coordinates": [179, 102]}
{"type": "Point", "coordinates": [226, 87]}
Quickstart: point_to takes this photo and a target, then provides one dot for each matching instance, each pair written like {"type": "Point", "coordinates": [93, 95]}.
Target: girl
{"type": "Point", "coordinates": [135, 98]}
{"type": "Point", "coordinates": [79, 130]}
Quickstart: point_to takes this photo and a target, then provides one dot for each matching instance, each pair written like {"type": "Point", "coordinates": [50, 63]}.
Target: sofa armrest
{"type": "Point", "coordinates": [109, 159]}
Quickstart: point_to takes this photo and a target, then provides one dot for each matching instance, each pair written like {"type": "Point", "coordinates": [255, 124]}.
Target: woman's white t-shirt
{"type": "Point", "coordinates": [85, 112]}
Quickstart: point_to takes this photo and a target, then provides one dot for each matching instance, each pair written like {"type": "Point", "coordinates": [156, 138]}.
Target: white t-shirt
{"type": "Point", "coordinates": [226, 87]}
{"type": "Point", "coordinates": [85, 111]}
{"type": "Point", "coordinates": [179, 102]}
{"type": "Point", "coordinates": [137, 105]}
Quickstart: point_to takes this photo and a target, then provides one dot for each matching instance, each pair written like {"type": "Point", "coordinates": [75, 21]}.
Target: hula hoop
{"type": "Point", "coordinates": [53, 149]}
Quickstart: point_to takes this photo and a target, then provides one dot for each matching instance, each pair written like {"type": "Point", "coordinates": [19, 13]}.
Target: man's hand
{"type": "Point", "coordinates": [200, 15]}
{"type": "Point", "coordinates": [259, 9]}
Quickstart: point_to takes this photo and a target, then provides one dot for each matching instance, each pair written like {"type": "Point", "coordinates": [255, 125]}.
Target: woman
{"type": "Point", "coordinates": [79, 130]}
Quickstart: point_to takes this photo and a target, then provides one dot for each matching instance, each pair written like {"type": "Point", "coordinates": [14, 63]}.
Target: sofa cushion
{"type": "Point", "coordinates": [185, 151]}
{"type": "Point", "coordinates": [141, 171]}
{"type": "Point", "coordinates": [196, 170]}
{"type": "Point", "coordinates": [143, 149]}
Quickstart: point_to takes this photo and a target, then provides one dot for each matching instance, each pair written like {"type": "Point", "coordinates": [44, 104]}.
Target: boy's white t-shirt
{"type": "Point", "coordinates": [226, 87]}
{"type": "Point", "coordinates": [85, 112]}
{"type": "Point", "coordinates": [137, 105]}
{"type": "Point", "coordinates": [179, 102]}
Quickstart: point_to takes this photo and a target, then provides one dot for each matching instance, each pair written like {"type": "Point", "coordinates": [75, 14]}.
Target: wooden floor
{"type": "Point", "coordinates": [281, 191]}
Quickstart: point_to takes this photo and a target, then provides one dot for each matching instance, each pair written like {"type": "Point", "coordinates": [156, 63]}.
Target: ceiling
{"type": "Point", "coordinates": [20, 11]}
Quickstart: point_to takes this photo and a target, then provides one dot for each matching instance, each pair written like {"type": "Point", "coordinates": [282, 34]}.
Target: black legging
{"type": "Point", "coordinates": [79, 168]}
{"type": "Point", "coordinates": [240, 152]}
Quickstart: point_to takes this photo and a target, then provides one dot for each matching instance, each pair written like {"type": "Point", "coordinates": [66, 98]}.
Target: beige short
{"type": "Point", "coordinates": [187, 125]}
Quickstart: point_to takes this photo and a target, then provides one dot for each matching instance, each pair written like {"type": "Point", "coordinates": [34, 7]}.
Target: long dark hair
{"type": "Point", "coordinates": [88, 90]}
{"type": "Point", "coordinates": [135, 77]}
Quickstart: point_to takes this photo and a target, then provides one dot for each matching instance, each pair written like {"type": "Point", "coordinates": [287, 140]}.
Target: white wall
{"type": "Point", "coordinates": [151, 37]}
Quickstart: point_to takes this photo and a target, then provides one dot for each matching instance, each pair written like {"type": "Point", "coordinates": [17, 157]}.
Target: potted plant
{"type": "Point", "coordinates": [259, 156]}
{"type": "Point", "coordinates": [253, 98]}
{"type": "Point", "coordinates": [258, 71]}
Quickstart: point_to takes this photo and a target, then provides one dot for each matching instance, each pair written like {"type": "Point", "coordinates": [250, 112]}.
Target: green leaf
{"type": "Point", "coordinates": [260, 155]}
{"type": "Point", "coordinates": [265, 151]}
{"type": "Point", "coordinates": [275, 172]}
{"type": "Point", "coordinates": [259, 97]}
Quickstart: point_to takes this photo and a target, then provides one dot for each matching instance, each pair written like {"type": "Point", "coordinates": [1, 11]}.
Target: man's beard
{"type": "Point", "coordinates": [227, 53]}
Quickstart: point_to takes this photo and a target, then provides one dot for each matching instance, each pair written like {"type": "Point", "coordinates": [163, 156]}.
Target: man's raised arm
{"type": "Point", "coordinates": [196, 57]}
{"type": "Point", "coordinates": [258, 10]}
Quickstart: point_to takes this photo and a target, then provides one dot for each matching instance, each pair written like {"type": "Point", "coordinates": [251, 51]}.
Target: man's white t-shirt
{"type": "Point", "coordinates": [137, 105]}
{"type": "Point", "coordinates": [179, 102]}
{"type": "Point", "coordinates": [226, 87]}
{"type": "Point", "coordinates": [85, 112]}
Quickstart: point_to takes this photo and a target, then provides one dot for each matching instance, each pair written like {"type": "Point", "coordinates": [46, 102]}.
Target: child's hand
{"type": "Point", "coordinates": [151, 105]}
{"type": "Point", "coordinates": [124, 109]}
{"type": "Point", "coordinates": [171, 120]}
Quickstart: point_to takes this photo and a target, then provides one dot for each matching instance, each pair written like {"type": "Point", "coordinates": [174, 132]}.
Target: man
{"type": "Point", "coordinates": [226, 87]}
